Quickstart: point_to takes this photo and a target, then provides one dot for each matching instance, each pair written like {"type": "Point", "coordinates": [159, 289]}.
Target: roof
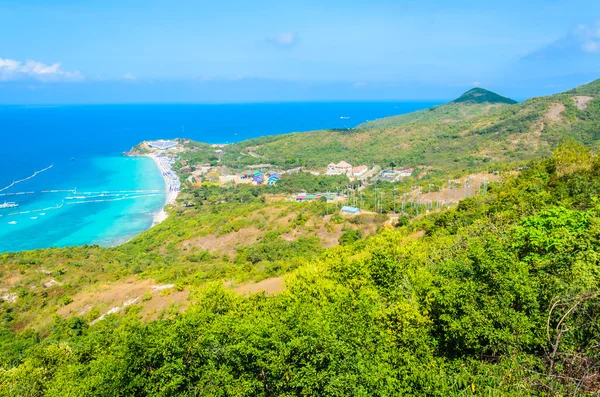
{"type": "Point", "coordinates": [347, 208]}
{"type": "Point", "coordinates": [343, 164]}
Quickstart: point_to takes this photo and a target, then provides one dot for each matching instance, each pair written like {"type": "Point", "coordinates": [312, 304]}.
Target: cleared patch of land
{"type": "Point", "coordinates": [270, 286]}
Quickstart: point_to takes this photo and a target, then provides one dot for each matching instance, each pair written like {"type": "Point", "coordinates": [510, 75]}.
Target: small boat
{"type": "Point", "coordinates": [12, 222]}
{"type": "Point", "coordinates": [34, 217]}
{"type": "Point", "coordinates": [8, 205]}
{"type": "Point", "coordinates": [42, 213]}
{"type": "Point", "coordinates": [344, 117]}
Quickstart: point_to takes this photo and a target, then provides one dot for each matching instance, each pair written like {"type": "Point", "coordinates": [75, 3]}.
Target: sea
{"type": "Point", "coordinates": [80, 148]}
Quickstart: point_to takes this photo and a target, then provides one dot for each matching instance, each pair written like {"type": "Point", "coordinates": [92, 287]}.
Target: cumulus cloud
{"type": "Point", "coordinates": [581, 40]}
{"type": "Point", "coordinates": [285, 39]}
{"type": "Point", "coordinates": [34, 70]}
{"type": "Point", "coordinates": [129, 76]}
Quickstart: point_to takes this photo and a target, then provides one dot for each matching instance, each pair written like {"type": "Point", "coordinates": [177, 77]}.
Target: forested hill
{"type": "Point", "coordinates": [481, 95]}
{"type": "Point", "coordinates": [445, 138]}
{"type": "Point", "coordinates": [499, 296]}
{"type": "Point", "coordinates": [473, 103]}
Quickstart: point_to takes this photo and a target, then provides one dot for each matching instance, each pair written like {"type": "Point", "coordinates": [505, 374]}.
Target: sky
{"type": "Point", "coordinates": [123, 51]}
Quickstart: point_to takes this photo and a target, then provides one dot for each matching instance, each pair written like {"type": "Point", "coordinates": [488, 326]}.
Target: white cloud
{"type": "Point", "coordinates": [359, 84]}
{"type": "Point", "coordinates": [591, 46]}
{"type": "Point", "coordinates": [285, 39]}
{"type": "Point", "coordinates": [129, 76]}
{"type": "Point", "coordinates": [33, 70]}
{"type": "Point", "coordinates": [581, 40]}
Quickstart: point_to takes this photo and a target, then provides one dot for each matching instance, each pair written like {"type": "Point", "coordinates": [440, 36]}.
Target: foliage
{"type": "Point", "coordinates": [499, 296]}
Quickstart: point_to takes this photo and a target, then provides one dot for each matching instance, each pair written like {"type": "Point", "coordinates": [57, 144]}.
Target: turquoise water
{"type": "Point", "coordinates": [106, 223]}
{"type": "Point", "coordinates": [95, 136]}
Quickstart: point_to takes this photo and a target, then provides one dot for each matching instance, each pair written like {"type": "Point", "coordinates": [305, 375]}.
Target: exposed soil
{"type": "Point", "coordinates": [270, 286]}
{"type": "Point", "coordinates": [555, 112]}
{"type": "Point", "coordinates": [109, 296]}
{"type": "Point", "coordinates": [582, 101]}
{"type": "Point", "coordinates": [227, 243]}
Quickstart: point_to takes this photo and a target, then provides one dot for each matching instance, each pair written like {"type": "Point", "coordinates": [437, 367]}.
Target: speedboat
{"type": "Point", "coordinates": [8, 205]}
{"type": "Point", "coordinates": [12, 222]}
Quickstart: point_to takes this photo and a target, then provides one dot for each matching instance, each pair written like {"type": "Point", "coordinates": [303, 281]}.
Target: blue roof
{"type": "Point", "coordinates": [347, 208]}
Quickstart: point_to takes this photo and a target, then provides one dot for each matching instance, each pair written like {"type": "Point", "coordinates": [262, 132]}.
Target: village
{"type": "Point", "coordinates": [348, 200]}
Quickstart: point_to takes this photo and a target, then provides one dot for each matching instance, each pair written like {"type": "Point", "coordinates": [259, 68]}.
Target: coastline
{"type": "Point", "coordinates": [161, 215]}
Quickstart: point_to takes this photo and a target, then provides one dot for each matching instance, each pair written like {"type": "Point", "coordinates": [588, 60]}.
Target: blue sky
{"type": "Point", "coordinates": [230, 51]}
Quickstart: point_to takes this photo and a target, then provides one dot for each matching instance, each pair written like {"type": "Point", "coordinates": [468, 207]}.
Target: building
{"type": "Point", "coordinates": [350, 210]}
{"type": "Point", "coordinates": [405, 173]}
{"type": "Point", "coordinates": [342, 168]}
{"type": "Point", "coordinates": [162, 144]}
{"type": "Point", "coordinates": [359, 171]}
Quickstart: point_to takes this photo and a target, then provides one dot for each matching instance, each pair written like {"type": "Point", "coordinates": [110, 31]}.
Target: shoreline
{"type": "Point", "coordinates": [171, 195]}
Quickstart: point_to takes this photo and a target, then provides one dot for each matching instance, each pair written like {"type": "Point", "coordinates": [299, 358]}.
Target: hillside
{"type": "Point", "coordinates": [458, 136]}
{"type": "Point", "coordinates": [242, 292]}
{"type": "Point", "coordinates": [473, 103]}
{"type": "Point", "coordinates": [496, 296]}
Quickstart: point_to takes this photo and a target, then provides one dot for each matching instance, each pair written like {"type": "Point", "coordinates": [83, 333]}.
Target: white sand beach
{"type": "Point", "coordinates": [172, 194]}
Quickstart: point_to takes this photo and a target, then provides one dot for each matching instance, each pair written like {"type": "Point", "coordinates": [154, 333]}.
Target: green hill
{"type": "Point", "coordinates": [495, 297]}
{"type": "Point", "coordinates": [469, 133]}
{"type": "Point", "coordinates": [473, 103]}
{"type": "Point", "coordinates": [498, 295]}
{"type": "Point", "coordinates": [481, 95]}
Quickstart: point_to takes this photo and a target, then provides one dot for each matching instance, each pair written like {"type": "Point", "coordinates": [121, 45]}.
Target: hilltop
{"type": "Point", "coordinates": [481, 95]}
{"type": "Point", "coordinates": [473, 103]}
{"type": "Point", "coordinates": [466, 134]}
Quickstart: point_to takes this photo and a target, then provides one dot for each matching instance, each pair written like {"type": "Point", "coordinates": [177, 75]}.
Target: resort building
{"type": "Point", "coordinates": [342, 168]}
{"type": "Point", "coordinates": [162, 145]}
{"type": "Point", "coordinates": [359, 171]}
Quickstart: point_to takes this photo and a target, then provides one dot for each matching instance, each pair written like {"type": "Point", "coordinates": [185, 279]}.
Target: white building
{"type": "Point", "coordinates": [406, 173]}
{"type": "Point", "coordinates": [359, 171]}
{"type": "Point", "coordinates": [342, 168]}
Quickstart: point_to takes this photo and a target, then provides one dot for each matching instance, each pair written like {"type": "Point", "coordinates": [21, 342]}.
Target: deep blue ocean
{"type": "Point", "coordinates": [85, 145]}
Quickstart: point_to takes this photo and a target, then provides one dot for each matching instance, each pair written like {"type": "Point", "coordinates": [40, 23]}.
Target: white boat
{"type": "Point", "coordinates": [12, 222]}
{"type": "Point", "coordinates": [42, 213]}
{"type": "Point", "coordinates": [34, 217]}
{"type": "Point", "coordinates": [8, 205]}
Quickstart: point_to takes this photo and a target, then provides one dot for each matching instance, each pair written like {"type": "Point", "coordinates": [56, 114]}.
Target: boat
{"type": "Point", "coordinates": [42, 213]}
{"type": "Point", "coordinates": [34, 217]}
{"type": "Point", "coordinates": [8, 205]}
{"type": "Point", "coordinates": [344, 117]}
{"type": "Point", "coordinates": [12, 222]}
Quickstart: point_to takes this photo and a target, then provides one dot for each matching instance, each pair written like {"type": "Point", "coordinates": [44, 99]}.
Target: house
{"type": "Point", "coordinates": [359, 170]}
{"type": "Point", "coordinates": [350, 210]}
{"type": "Point", "coordinates": [405, 173]}
{"type": "Point", "coordinates": [342, 168]}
